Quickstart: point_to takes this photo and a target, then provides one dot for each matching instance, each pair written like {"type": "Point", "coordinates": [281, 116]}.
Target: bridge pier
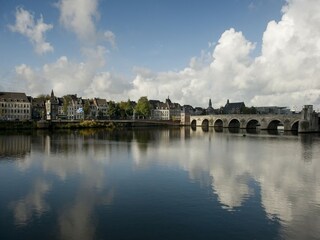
{"type": "Point", "coordinates": [309, 120]}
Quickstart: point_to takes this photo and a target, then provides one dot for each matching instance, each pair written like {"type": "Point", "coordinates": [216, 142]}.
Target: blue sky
{"type": "Point", "coordinates": [120, 48]}
{"type": "Point", "coordinates": [158, 34]}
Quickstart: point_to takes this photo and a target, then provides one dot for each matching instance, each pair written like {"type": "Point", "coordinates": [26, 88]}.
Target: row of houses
{"type": "Point", "coordinates": [19, 106]}
{"type": "Point", "coordinates": [72, 107]}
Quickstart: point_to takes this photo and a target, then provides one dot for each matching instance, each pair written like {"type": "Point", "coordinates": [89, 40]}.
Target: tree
{"type": "Point", "coordinates": [113, 110]}
{"type": "Point", "coordinates": [86, 108]}
{"type": "Point", "coordinates": [126, 110]}
{"type": "Point", "coordinates": [143, 107]}
{"type": "Point", "coordinates": [246, 110]}
{"type": "Point", "coordinates": [66, 102]}
{"type": "Point", "coordinates": [44, 97]}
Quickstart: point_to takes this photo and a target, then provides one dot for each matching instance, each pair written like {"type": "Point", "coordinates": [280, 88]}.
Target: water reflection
{"type": "Point", "coordinates": [14, 145]}
{"type": "Point", "coordinates": [33, 204]}
{"type": "Point", "coordinates": [78, 167]}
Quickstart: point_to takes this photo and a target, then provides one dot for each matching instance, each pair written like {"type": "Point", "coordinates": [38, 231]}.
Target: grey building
{"type": "Point", "coordinates": [14, 106]}
{"type": "Point", "coordinates": [233, 108]}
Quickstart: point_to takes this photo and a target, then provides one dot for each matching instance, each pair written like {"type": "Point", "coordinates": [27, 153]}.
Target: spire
{"type": "Point", "coordinates": [210, 103]}
{"type": "Point", "coordinates": [52, 93]}
{"type": "Point", "coordinates": [168, 101]}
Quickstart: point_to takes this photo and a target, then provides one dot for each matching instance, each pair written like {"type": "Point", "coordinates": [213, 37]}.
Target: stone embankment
{"type": "Point", "coordinates": [64, 124]}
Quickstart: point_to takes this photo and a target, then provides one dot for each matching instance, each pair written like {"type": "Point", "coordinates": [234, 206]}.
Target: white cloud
{"type": "Point", "coordinates": [111, 38]}
{"type": "Point", "coordinates": [214, 76]}
{"type": "Point", "coordinates": [286, 73]}
{"type": "Point", "coordinates": [34, 30]}
{"type": "Point", "coordinates": [78, 16]}
{"type": "Point", "coordinates": [65, 76]}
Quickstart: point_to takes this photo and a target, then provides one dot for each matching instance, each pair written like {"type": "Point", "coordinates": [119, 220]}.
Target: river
{"type": "Point", "coordinates": [176, 183]}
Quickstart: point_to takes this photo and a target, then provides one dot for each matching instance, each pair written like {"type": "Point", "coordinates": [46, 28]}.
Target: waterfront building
{"type": "Point", "coordinates": [199, 111]}
{"type": "Point", "coordinates": [233, 108]}
{"type": "Point", "coordinates": [14, 106]}
{"type": "Point", "coordinates": [210, 109]}
{"type": "Point", "coordinates": [38, 108]}
{"type": "Point", "coordinates": [165, 111]}
{"type": "Point", "coordinates": [188, 109]}
{"type": "Point", "coordinates": [73, 107]}
{"type": "Point", "coordinates": [52, 107]}
{"type": "Point", "coordinates": [273, 110]}
{"type": "Point", "coordinates": [68, 107]}
{"type": "Point", "coordinates": [62, 114]}
{"type": "Point", "coordinates": [175, 110]}
{"type": "Point", "coordinates": [160, 110]}
{"type": "Point", "coordinates": [101, 108]}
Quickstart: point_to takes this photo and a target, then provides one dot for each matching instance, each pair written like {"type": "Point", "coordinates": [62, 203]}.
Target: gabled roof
{"type": "Point", "coordinates": [38, 102]}
{"type": "Point", "coordinates": [230, 107]}
{"type": "Point", "coordinates": [100, 102]}
{"type": "Point", "coordinates": [13, 96]}
{"type": "Point", "coordinates": [154, 103]}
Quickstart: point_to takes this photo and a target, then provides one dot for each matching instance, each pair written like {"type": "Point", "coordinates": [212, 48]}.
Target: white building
{"type": "Point", "coordinates": [165, 111]}
{"type": "Point", "coordinates": [74, 108]}
{"type": "Point", "coordinates": [14, 106]}
{"type": "Point", "coordinates": [101, 108]}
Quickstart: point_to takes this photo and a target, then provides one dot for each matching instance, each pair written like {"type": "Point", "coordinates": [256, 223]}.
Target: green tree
{"type": "Point", "coordinates": [66, 102]}
{"type": "Point", "coordinates": [126, 110]}
{"type": "Point", "coordinates": [100, 114]}
{"type": "Point", "coordinates": [86, 108]}
{"type": "Point", "coordinates": [44, 97]}
{"type": "Point", "coordinates": [113, 111]}
{"type": "Point", "coordinates": [143, 107]}
{"type": "Point", "coordinates": [251, 110]}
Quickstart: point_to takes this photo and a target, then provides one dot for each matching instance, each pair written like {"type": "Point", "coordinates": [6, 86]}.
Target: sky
{"type": "Point", "coordinates": [262, 52]}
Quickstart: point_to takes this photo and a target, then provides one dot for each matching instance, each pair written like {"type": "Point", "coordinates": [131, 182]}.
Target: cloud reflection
{"type": "Point", "coordinates": [285, 168]}
{"type": "Point", "coordinates": [32, 204]}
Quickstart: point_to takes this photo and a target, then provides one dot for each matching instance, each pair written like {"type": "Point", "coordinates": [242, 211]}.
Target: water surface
{"type": "Point", "coordinates": [159, 184]}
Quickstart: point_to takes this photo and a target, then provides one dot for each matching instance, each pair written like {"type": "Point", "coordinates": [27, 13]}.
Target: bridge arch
{"type": "Point", "coordinates": [234, 123]}
{"type": "Point", "coordinates": [218, 123]}
{"type": "Point", "coordinates": [274, 124]}
{"type": "Point", "coordinates": [205, 123]}
{"type": "Point", "coordinates": [193, 123]}
{"type": "Point", "coordinates": [295, 126]}
{"type": "Point", "coordinates": [252, 124]}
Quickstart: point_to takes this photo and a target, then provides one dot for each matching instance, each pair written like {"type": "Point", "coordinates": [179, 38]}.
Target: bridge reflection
{"type": "Point", "coordinates": [219, 129]}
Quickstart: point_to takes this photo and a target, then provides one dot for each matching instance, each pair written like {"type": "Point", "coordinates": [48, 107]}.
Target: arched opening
{"type": "Point", "coordinates": [205, 123]}
{"type": "Point", "coordinates": [193, 123]}
{"type": "Point", "coordinates": [275, 125]}
{"type": "Point", "coordinates": [218, 123]}
{"type": "Point", "coordinates": [252, 124]}
{"type": "Point", "coordinates": [295, 126]}
{"type": "Point", "coordinates": [234, 123]}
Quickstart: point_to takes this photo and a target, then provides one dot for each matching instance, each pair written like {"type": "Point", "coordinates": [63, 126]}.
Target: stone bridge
{"type": "Point", "coordinates": [248, 121]}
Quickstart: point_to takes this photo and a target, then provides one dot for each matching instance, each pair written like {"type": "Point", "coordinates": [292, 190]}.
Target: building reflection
{"type": "Point", "coordinates": [14, 145]}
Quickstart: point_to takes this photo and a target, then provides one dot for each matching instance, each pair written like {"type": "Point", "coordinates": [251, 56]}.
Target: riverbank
{"type": "Point", "coordinates": [63, 124]}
